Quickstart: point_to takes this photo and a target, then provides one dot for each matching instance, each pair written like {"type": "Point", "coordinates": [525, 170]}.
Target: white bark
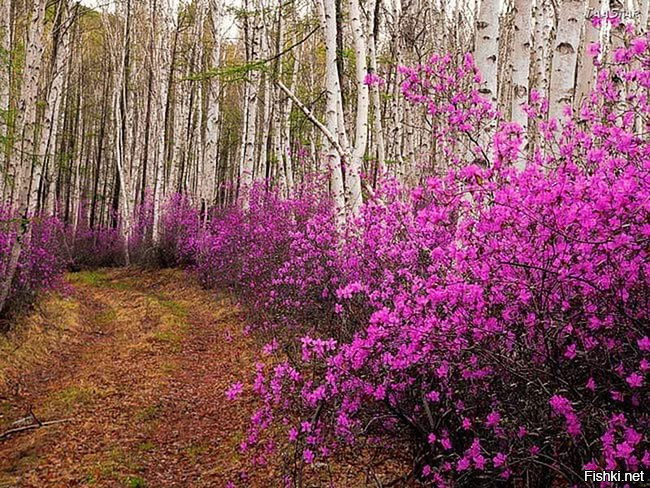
{"type": "Point", "coordinates": [286, 130]}
{"type": "Point", "coordinates": [251, 114]}
{"type": "Point", "coordinates": [58, 77]}
{"type": "Point", "coordinates": [21, 158]}
{"type": "Point", "coordinates": [378, 129]}
{"type": "Point", "coordinates": [213, 108]}
{"type": "Point", "coordinates": [333, 97]}
{"type": "Point", "coordinates": [160, 86]}
{"type": "Point", "coordinates": [586, 67]}
{"type": "Point", "coordinates": [5, 45]}
{"type": "Point", "coordinates": [562, 87]}
{"type": "Point", "coordinates": [486, 48]}
{"type": "Point", "coordinates": [396, 127]}
{"type": "Point", "coordinates": [542, 45]}
{"type": "Point", "coordinates": [361, 124]}
{"type": "Point", "coordinates": [521, 61]}
{"type": "Point", "coordinates": [644, 10]}
{"type": "Point", "coordinates": [120, 98]}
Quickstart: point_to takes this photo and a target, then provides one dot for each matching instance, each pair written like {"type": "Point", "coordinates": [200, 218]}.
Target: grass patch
{"type": "Point", "coordinates": [195, 451]}
{"type": "Point", "coordinates": [117, 465]}
{"type": "Point", "coordinates": [167, 336]}
{"type": "Point", "coordinates": [123, 284]}
{"type": "Point", "coordinates": [34, 337]}
{"type": "Point", "coordinates": [91, 278]}
{"type": "Point", "coordinates": [175, 308]}
{"type": "Point", "coordinates": [168, 368]}
{"type": "Point", "coordinates": [148, 414]}
{"type": "Point", "coordinates": [74, 396]}
{"type": "Point", "coordinates": [135, 482]}
{"type": "Point", "coordinates": [145, 446]}
{"type": "Point", "coordinates": [106, 316]}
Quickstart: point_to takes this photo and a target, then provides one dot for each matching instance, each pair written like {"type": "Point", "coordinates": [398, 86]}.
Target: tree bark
{"type": "Point", "coordinates": [562, 86]}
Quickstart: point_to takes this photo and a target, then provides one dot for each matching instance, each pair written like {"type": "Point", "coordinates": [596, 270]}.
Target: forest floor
{"type": "Point", "coordinates": [135, 364]}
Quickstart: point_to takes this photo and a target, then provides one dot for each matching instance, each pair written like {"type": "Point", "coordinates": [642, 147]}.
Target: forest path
{"type": "Point", "coordinates": [140, 371]}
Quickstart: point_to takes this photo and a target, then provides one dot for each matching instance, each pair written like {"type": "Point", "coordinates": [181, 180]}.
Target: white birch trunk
{"type": "Point", "coordinates": [521, 62]}
{"type": "Point", "coordinates": [333, 97]}
{"type": "Point", "coordinates": [22, 158]}
{"type": "Point", "coordinates": [354, 166]}
{"type": "Point", "coordinates": [58, 77]}
{"type": "Point", "coordinates": [286, 154]}
{"type": "Point", "coordinates": [251, 115]}
{"type": "Point", "coordinates": [120, 97]}
{"type": "Point", "coordinates": [160, 86]}
{"type": "Point", "coordinates": [5, 45]}
{"type": "Point", "coordinates": [586, 68]}
{"type": "Point", "coordinates": [213, 108]}
{"type": "Point", "coordinates": [486, 48]}
{"type": "Point", "coordinates": [378, 129]}
{"type": "Point", "coordinates": [562, 86]}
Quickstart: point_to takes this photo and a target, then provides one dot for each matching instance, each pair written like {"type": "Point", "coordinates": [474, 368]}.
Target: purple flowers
{"type": "Point", "coordinates": [41, 263]}
{"type": "Point", "coordinates": [561, 406]}
{"type": "Point", "coordinates": [491, 320]}
{"type": "Point", "coordinates": [234, 391]}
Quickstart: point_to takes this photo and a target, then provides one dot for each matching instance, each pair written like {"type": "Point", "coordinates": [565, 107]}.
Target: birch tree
{"type": "Point", "coordinates": [5, 70]}
{"type": "Point", "coordinates": [353, 176]}
{"type": "Point", "coordinates": [586, 75]}
{"type": "Point", "coordinates": [160, 85]}
{"type": "Point", "coordinates": [213, 108]}
{"type": "Point", "coordinates": [564, 61]}
{"type": "Point", "coordinates": [521, 61]}
{"type": "Point", "coordinates": [121, 115]}
{"type": "Point", "coordinates": [22, 157]}
{"type": "Point", "coordinates": [333, 97]}
{"type": "Point", "coordinates": [486, 47]}
{"type": "Point", "coordinates": [254, 81]}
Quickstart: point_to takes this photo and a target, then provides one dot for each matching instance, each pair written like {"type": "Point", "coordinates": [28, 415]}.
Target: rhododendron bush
{"type": "Point", "coordinates": [489, 324]}
{"type": "Point", "coordinates": [42, 260]}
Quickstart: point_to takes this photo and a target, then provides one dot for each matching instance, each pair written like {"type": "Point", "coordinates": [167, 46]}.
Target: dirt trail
{"type": "Point", "coordinates": [141, 377]}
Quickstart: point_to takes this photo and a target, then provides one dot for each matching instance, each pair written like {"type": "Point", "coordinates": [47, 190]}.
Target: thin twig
{"type": "Point", "coordinates": [32, 426]}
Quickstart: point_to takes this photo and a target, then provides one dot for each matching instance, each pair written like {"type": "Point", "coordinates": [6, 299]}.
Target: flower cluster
{"type": "Point", "coordinates": [41, 263]}
{"type": "Point", "coordinates": [491, 322]}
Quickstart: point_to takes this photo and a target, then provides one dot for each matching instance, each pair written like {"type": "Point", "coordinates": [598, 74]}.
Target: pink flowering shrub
{"type": "Point", "coordinates": [41, 264]}
{"type": "Point", "coordinates": [490, 324]}
{"type": "Point", "coordinates": [94, 247]}
{"type": "Point", "coordinates": [260, 255]}
{"type": "Point", "coordinates": [181, 225]}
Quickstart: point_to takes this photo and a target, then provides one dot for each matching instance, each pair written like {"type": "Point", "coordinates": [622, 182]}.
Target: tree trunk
{"type": "Point", "coordinates": [521, 62]}
{"type": "Point", "coordinates": [333, 97]}
{"type": "Point", "coordinates": [486, 49]}
{"type": "Point", "coordinates": [22, 160]}
{"type": "Point", "coordinates": [562, 87]}
{"type": "Point", "coordinates": [354, 166]}
{"type": "Point", "coordinates": [251, 115]}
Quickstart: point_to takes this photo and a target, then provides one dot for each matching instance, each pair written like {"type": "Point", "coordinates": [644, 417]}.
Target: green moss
{"type": "Point", "coordinates": [172, 306]}
{"type": "Point", "coordinates": [168, 368]}
{"type": "Point", "coordinates": [195, 451]}
{"type": "Point", "coordinates": [106, 316]}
